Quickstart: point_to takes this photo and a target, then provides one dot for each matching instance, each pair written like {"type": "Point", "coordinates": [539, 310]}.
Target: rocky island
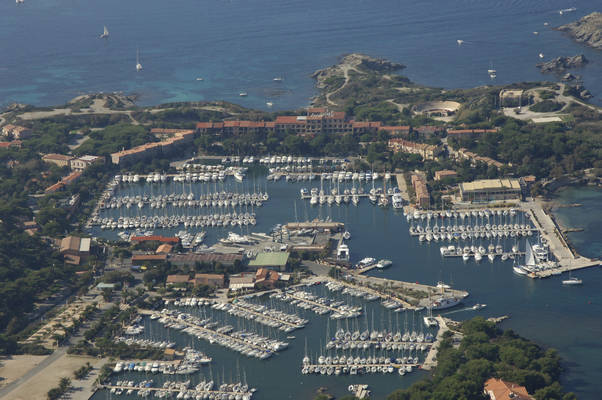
{"type": "Point", "coordinates": [587, 30]}
{"type": "Point", "coordinates": [561, 64]}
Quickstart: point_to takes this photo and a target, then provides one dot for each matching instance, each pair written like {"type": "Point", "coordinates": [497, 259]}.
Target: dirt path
{"type": "Point", "coordinates": [346, 69]}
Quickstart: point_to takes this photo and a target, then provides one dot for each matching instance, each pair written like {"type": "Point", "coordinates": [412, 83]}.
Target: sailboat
{"type": "Point", "coordinates": [104, 34]}
{"type": "Point", "coordinates": [491, 71]}
{"type": "Point", "coordinates": [138, 65]}
{"type": "Point", "coordinates": [529, 261]}
{"type": "Point", "coordinates": [572, 280]}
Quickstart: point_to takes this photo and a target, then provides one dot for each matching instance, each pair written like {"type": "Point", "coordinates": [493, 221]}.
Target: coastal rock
{"type": "Point", "coordinates": [561, 64]}
{"type": "Point", "coordinates": [357, 62]}
{"type": "Point", "coordinates": [587, 30]}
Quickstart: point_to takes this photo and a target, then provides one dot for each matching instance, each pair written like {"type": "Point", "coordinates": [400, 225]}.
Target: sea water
{"type": "Point", "coordinates": [51, 51]}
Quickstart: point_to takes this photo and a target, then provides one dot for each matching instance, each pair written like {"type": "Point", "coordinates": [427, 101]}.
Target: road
{"type": "Point", "coordinates": [33, 372]}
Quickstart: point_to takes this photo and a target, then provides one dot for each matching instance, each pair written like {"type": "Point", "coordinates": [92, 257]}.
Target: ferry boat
{"type": "Point", "coordinates": [366, 262]}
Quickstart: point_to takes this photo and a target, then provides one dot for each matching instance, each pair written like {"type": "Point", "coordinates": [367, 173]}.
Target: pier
{"type": "Point", "coordinates": [246, 343]}
{"type": "Point", "coordinates": [338, 312]}
{"type": "Point", "coordinates": [567, 260]}
{"type": "Point", "coordinates": [228, 391]}
{"type": "Point", "coordinates": [430, 361]}
{"type": "Point", "coordinates": [269, 317]}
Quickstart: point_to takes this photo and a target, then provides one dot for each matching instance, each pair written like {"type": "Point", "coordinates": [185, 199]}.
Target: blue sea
{"type": "Point", "coordinates": [51, 51]}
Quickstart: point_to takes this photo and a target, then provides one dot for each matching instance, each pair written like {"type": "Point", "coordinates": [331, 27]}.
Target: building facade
{"type": "Point", "coordinates": [167, 146]}
{"type": "Point", "coordinates": [490, 190]}
{"type": "Point", "coordinates": [83, 162]}
{"type": "Point", "coordinates": [427, 151]}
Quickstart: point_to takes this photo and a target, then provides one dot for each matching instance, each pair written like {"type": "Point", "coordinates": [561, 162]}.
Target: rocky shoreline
{"type": "Point", "coordinates": [561, 64]}
{"type": "Point", "coordinates": [587, 30]}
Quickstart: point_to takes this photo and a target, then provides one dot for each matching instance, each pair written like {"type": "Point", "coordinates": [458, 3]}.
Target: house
{"type": "Point", "coordinates": [177, 279]}
{"type": "Point", "coordinates": [16, 132]}
{"type": "Point", "coordinates": [148, 258]}
{"type": "Point", "coordinates": [66, 180]}
{"type": "Point", "coordinates": [155, 238]}
{"type": "Point", "coordinates": [75, 249]}
{"type": "Point", "coordinates": [215, 280]}
{"type": "Point", "coordinates": [498, 389]}
{"type": "Point", "coordinates": [272, 260]}
{"type": "Point", "coordinates": [83, 162]}
{"type": "Point", "coordinates": [423, 197]}
{"type": "Point", "coordinates": [164, 249]}
{"type": "Point", "coordinates": [14, 143]}
{"type": "Point", "coordinates": [176, 141]}
{"type": "Point", "coordinates": [242, 282]}
{"type": "Point", "coordinates": [266, 279]}
{"type": "Point", "coordinates": [445, 173]}
{"type": "Point", "coordinates": [58, 159]}
{"type": "Point", "coordinates": [427, 151]}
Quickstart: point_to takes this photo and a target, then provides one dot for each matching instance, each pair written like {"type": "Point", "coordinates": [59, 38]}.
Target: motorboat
{"type": "Point", "coordinates": [572, 281]}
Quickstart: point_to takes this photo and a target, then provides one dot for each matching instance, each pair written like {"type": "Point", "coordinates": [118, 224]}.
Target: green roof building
{"type": "Point", "coordinates": [273, 260]}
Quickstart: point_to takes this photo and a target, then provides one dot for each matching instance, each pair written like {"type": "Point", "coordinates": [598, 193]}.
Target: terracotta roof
{"type": "Point", "coordinates": [149, 257]}
{"type": "Point", "coordinates": [288, 119]}
{"type": "Point", "coordinates": [177, 279]}
{"type": "Point", "coordinates": [164, 248]}
{"type": "Point", "coordinates": [500, 390]}
{"type": "Point", "coordinates": [155, 238]}
{"type": "Point", "coordinates": [56, 157]}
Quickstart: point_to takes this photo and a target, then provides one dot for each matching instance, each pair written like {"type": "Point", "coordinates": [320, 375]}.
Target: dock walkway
{"type": "Point", "coordinates": [430, 361]}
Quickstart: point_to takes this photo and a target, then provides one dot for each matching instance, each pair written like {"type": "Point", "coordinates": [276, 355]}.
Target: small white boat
{"type": "Point", "coordinates": [138, 65]}
{"type": "Point", "coordinates": [479, 306]}
{"type": "Point", "coordinates": [460, 42]}
{"type": "Point", "coordinates": [243, 94]}
{"type": "Point", "coordinates": [104, 34]}
{"type": "Point", "coordinates": [200, 79]}
{"type": "Point", "coordinates": [572, 281]}
{"type": "Point", "coordinates": [269, 103]}
{"type": "Point", "coordinates": [541, 55]}
{"type": "Point", "coordinates": [278, 79]}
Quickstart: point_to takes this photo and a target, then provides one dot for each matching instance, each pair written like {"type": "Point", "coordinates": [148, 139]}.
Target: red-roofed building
{"type": "Point", "coordinates": [400, 130]}
{"type": "Point", "coordinates": [148, 258]}
{"type": "Point", "coordinates": [498, 389]}
{"type": "Point", "coordinates": [14, 143]}
{"type": "Point", "coordinates": [427, 151]}
{"type": "Point", "coordinates": [177, 140]}
{"type": "Point", "coordinates": [16, 132]}
{"type": "Point", "coordinates": [155, 238]}
{"type": "Point", "coordinates": [66, 180]}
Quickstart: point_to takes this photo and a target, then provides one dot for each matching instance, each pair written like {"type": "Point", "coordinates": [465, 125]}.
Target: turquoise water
{"type": "Point", "coordinates": [51, 51]}
{"type": "Point", "coordinates": [566, 318]}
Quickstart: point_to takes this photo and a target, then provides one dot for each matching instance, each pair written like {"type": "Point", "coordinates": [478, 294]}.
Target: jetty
{"type": "Point", "coordinates": [430, 361]}
{"type": "Point", "coordinates": [551, 232]}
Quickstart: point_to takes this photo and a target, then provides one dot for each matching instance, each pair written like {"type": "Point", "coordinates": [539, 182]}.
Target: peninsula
{"type": "Point", "coordinates": [587, 30]}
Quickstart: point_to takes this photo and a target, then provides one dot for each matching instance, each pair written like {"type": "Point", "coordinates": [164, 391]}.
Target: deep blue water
{"type": "Point", "coordinates": [51, 51]}
{"type": "Point", "coordinates": [566, 318]}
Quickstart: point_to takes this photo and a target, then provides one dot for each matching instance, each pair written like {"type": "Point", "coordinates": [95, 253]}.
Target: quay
{"type": "Point", "coordinates": [366, 281]}
{"type": "Point", "coordinates": [213, 333]}
{"type": "Point", "coordinates": [430, 361]}
{"type": "Point", "coordinates": [258, 316]}
{"type": "Point", "coordinates": [368, 289]}
{"type": "Point", "coordinates": [550, 231]}
{"type": "Point", "coordinates": [211, 394]}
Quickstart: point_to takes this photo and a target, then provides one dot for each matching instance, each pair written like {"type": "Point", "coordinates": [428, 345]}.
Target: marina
{"type": "Point", "coordinates": [363, 293]}
{"type": "Point", "coordinates": [247, 343]}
